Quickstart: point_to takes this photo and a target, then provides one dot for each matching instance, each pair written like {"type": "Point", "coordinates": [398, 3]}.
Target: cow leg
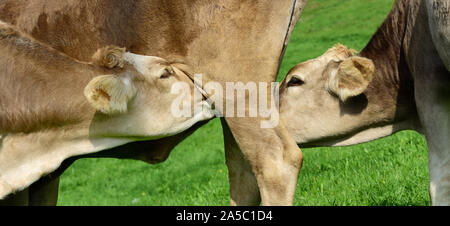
{"type": "Point", "coordinates": [243, 186]}
{"type": "Point", "coordinates": [433, 103]}
{"type": "Point", "coordinates": [273, 158]}
{"type": "Point", "coordinates": [44, 192]}
{"type": "Point", "coordinates": [17, 199]}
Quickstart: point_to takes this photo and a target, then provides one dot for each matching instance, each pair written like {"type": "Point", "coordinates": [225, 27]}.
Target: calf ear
{"type": "Point", "coordinates": [352, 78]}
{"type": "Point", "coordinates": [109, 57]}
{"type": "Point", "coordinates": [109, 94]}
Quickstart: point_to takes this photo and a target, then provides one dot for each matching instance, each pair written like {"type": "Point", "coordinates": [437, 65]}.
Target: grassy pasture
{"type": "Point", "coordinates": [389, 171]}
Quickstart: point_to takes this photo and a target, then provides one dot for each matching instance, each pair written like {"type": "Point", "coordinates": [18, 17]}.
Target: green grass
{"type": "Point", "coordinates": [389, 171]}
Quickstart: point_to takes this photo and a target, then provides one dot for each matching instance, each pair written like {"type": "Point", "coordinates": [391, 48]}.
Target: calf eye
{"type": "Point", "coordinates": [166, 73]}
{"type": "Point", "coordinates": [295, 82]}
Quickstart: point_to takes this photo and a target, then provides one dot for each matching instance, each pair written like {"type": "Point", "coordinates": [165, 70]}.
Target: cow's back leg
{"type": "Point", "coordinates": [432, 93]}
{"type": "Point", "coordinates": [273, 157]}
{"type": "Point", "coordinates": [44, 192]}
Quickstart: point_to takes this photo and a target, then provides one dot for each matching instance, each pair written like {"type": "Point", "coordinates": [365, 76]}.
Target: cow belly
{"type": "Point", "coordinates": [439, 19]}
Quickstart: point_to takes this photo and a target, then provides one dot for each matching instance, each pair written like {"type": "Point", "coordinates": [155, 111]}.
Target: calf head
{"type": "Point", "coordinates": [319, 97]}
{"type": "Point", "coordinates": [137, 99]}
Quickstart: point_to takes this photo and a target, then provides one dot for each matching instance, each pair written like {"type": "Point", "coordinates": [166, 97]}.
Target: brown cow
{"type": "Point", "coordinates": [397, 82]}
{"type": "Point", "coordinates": [45, 118]}
{"type": "Point", "coordinates": [223, 40]}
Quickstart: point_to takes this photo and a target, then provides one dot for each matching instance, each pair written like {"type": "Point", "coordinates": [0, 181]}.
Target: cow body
{"type": "Point", "coordinates": [439, 20]}
{"type": "Point", "coordinates": [338, 99]}
{"type": "Point", "coordinates": [222, 40]}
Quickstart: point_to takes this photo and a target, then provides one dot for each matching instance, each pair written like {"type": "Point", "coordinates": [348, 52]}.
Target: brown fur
{"type": "Point", "coordinates": [353, 76]}
{"type": "Point", "coordinates": [45, 118]}
{"type": "Point", "coordinates": [223, 40]}
{"type": "Point", "coordinates": [341, 52]}
{"type": "Point", "coordinates": [389, 94]}
{"type": "Point", "coordinates": [32, 75]}
{"type": "Point", "coordinates": [408, 91]}
{"type": "Point", "coordinates": [109, 57]}
{"type": "Point", "coordinates": [42, 88]}
{"type": "Point", "coordinates": [392, 84]}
